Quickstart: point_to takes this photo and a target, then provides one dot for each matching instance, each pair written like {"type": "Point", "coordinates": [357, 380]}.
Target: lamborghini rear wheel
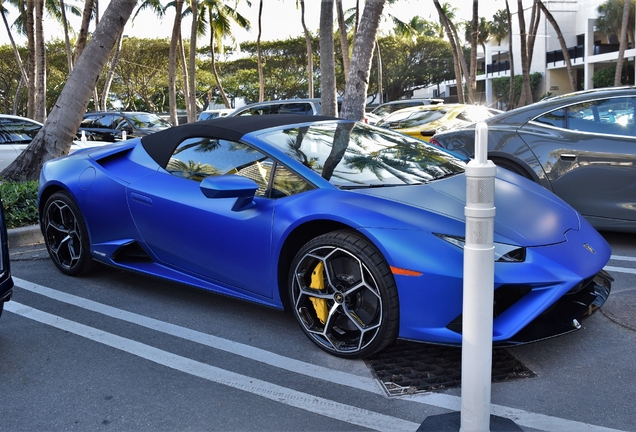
{"type": "Point", "coordinates": [344, 295]}
{"type": "Point", "coordinates": [66, 236]}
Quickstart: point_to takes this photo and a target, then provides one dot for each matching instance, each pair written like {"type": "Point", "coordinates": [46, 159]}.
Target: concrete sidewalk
{"type": "Point", "coordinates": [25, 236]}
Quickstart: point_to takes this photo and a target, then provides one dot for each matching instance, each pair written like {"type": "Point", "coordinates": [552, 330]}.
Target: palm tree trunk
{"type": "Point", "coordinates": [511, 91]}
{"type": "Point", "coordinates": [67, 41]}
{"type": "Point", "coordinates": [564, 47]}
{"type": "Point", "coordinates": [454, 50]}
{"type": "Point", "coordinates": [344, 42]}
{"type": "Point", "coordinates": [172, 63]}
{"type": "Point", "coordinates": [83, 32]}
{"type": "Point", "coordinates": [56, 136]}
{"type": "Point", "coordinates": [526, 92]}
{"type": "Point", "coordinates": [31, 63]}
{"type": "Point", "coordinates": [310, 53]}
{"type": "Point", "coordinates": [379, 58]}
{"type": "Point", "coordinates": [18, 59]}
{"type": "Point", "coordinates": [259, 61]}
{"type": "Point", "coordinates": [111, 72]}
{"type": "Point", "coordinates": [192, 95]}
{"type": "Point", "coordinates": [328, 101]}
{"type": "Point", "coordinates": [215, 72]}
{"type": "Point", "coordinates": [40, 63]}
{"type": "Point", "coordinates": [186, 77]}
{"type": "Point", "coordinates": [472, 76]}
{"type": "Point", "coordinates": [356, 89]}
{"type": "Point", "coordinates": [623, 43]}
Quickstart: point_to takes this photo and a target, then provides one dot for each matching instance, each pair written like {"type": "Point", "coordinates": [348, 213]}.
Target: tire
{"type": "Point", "coordinates": [344, 296]}
{"type": "Point", "coordinates": [513, 167]}
{"type": "Point", "coordinates": [66, 236]}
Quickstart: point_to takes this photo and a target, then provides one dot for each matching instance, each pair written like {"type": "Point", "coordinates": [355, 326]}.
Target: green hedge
{"type": "Point", "coordinates": [20, 203]}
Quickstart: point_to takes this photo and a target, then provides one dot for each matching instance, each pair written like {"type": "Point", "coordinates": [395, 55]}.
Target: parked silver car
{"type": "Point", "coordinates": [581, 146]}
{"type": "Point", "coordinates": [16, 133]}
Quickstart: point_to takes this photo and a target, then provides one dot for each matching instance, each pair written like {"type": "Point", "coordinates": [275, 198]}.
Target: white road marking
{"type": "Point", "coordinates": [622, 258]}
{"type": "Point", "coordinates": [328, 408]}
{"type": "Point", "coordinates": [323, 406]}
{"type": "Point", "coordinates": [619, 269]}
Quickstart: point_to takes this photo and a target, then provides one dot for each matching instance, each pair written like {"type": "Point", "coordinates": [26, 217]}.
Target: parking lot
{"type": "Point", "coordinates": [118, 351]}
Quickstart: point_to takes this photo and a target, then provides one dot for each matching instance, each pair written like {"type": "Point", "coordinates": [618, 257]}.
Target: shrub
{"type": "Point", "coordinates": [20, 203]}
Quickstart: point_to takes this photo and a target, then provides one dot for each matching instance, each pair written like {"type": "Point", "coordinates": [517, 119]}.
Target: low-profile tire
{"type": "Point", "coordinates": [344, 296]}
{"type": "Point", "coordinates": [66, 236]}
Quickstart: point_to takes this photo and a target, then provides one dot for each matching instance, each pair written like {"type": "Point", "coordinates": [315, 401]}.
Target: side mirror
{"type": "Point", "coordinates": [230, 186]}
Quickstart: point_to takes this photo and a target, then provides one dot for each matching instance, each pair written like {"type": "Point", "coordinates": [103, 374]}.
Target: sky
{"type": "Point", "coordinates": [280, 20]}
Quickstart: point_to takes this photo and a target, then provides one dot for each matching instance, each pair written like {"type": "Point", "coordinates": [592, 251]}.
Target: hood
{"type": "Point", "coordinates": [526, 213]}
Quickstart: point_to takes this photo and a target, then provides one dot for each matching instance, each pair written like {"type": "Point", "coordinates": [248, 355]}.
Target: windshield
{"type": "Point", "coordinates": [360, 155]}
{"type": "Point", "coordinates": [147, 120]}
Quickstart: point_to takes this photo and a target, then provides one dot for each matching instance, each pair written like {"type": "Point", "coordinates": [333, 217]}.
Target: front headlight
{"type": "Point", "coordinates": [503, 252]}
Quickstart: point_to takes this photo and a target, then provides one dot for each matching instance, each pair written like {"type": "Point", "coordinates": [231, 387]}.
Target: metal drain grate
{"type": "Point", "coordinates": [409, 368]}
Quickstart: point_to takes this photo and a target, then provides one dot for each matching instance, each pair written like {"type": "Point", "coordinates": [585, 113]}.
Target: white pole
{"type": "Point", "coordinates": [479, 267]}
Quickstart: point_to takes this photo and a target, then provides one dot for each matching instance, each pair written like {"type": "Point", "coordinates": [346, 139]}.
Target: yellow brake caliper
{"type": "Point", "coordinates": [318, 283]}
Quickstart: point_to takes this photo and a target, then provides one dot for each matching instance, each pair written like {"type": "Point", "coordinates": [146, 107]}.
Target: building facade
{"type": "Point", "coordinates": [590, 51]}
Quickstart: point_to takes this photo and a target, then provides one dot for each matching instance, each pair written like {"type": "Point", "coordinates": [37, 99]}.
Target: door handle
{"type": "Point", "coordinates": [567, 157]}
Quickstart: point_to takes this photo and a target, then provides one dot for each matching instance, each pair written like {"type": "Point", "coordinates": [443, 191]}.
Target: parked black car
{"type": "Point", "coordinates": [6, 282]}
{"type": "Point", "coordinates": [111, 126]}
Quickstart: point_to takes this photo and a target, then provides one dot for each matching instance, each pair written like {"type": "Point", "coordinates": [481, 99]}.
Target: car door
{"type": "Point", "coordinates": [588, 151]}
{"type": "Point", "coordinates": [207, 237]}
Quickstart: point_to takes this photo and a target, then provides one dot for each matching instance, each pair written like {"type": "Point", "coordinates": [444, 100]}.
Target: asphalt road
{"type": "Point", "coordinates": [116, 351]}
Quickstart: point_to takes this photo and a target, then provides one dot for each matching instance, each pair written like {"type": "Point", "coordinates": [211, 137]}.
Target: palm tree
{"type": "Point", "coordinates": [610, 18]}
{"type": "Point", "coordinates": [358, 83]}
{"type": "Point", "coordinates": [526, 93]}
{"type": "Point", "coordinates": [328, 102]}
{"type": "Point", "coordinates": [344, 42]}
{"type": "Point", "coordinates": [623, 43]}
{"type": "Point", "coordinates": [259, 60]}
{"type": "Point", "coordinates": [18, 59]}
{"type": "Point", "coordinates": [511, 92]}
{"type": "Point", "coordinates": [472, 78]}
{"type": "Point", "coordinates": [310, 53]}
{"type": "Point", "coordinates": [499, 26]}
{"type": "Point", "coordinates": [456, 50]}
{"type": "Point", "coordinates": [564, 47]}
{"type": "Point", "coordinates": [58, 131]}
{"type": "Point", "coordinates": [220, 17]}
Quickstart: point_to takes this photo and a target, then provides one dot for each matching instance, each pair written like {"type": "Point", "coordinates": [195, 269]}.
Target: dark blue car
{"type": "Point", "coordinates": [356, 229]}
{"type": "Point", "coordinates": [6, 282]}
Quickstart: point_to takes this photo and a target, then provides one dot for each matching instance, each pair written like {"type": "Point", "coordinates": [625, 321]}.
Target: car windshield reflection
{"type": "Point", "coordinates": [353, 155]}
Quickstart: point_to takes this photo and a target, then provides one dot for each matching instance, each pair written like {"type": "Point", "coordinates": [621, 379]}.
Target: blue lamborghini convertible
{"type": "Point", "coordinates": [356, 229]}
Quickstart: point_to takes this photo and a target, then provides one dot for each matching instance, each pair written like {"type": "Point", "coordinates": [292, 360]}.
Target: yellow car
{"type": "Point", "coordinates": [425, 121]}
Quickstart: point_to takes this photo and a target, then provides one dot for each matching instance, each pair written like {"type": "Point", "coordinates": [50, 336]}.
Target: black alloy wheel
{"type": "Point", "coordinates": [344, 295]}
{"type": "Point", "coordinates": [66, 236]}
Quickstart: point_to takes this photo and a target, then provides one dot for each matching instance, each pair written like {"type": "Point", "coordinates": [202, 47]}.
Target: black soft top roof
{"type": "Point", "coordinates": [161, 145]}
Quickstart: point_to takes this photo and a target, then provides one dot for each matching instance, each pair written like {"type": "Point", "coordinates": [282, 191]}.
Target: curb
{"type": "Point", "coordinates": [24, 236]}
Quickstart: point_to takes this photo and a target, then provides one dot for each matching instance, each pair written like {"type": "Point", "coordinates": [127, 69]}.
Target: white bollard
{"type": "Point", "coordinates": [123, 135]}
{"type": "Point", "coordinates": [83, 138]}
{"type": "Point", "coordinates": [479, 269]}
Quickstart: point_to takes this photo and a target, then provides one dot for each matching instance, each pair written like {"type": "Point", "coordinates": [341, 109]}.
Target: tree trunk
{"type": "Point", "coordinates": [310, 52]}
{"type": "Point", "coordinates": [353, 104]}
{"type": "Point", "coordinates": [526, 92]}
{"type": "Point", "coordinates": [192, 95]}
{"type": "Point", "coordinates": [344, 42]}
{"type": "Point", "coordinates": [186, 77]}
{"type": "Point", "coordinates": [564, 47]}
{"type": "Point", "coordinates": [83, 32]}
{"type": "Point", "coordinates": [472, 76]}
{"type": "Point", "coordinates": [217, 78]}
{"type": "Point", "coordinates": [172, 63]}
{"type": "Point", "coordinates": [40, 63]}
{"type": "Point", "coordinates": [623, 43]}
{"type": "Point", "coordinates": [58, 132]}
{"type": "Point", "coordinates": [31, 62]}
{"type": "Point", "coordinates": [328, 100]}
{"type": "Point", "coordinates": [18, 59]}
{"type": "Point", "coordinates": [67, 41]}
{"type": "Point", "coordinates": [378, 56]}
{"type": "Point", "coordinates": [259, 59]}
{"type": "Point", "coordinates": [111, 73]}
{"type": "Point", "coordinates": [454, 49]}
{"type": "Point", "coordinates": [511, 93]}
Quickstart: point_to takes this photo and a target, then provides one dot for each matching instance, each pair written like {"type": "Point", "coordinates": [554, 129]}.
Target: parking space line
{"type": "Point", "coordinates": [620, 269]}
{"type": "Point", "coordinates": [521, 417]}
{"type": "Point", "coordinates": [308, 402]}
{"type": "Point", "coordinates": [622, 258]}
